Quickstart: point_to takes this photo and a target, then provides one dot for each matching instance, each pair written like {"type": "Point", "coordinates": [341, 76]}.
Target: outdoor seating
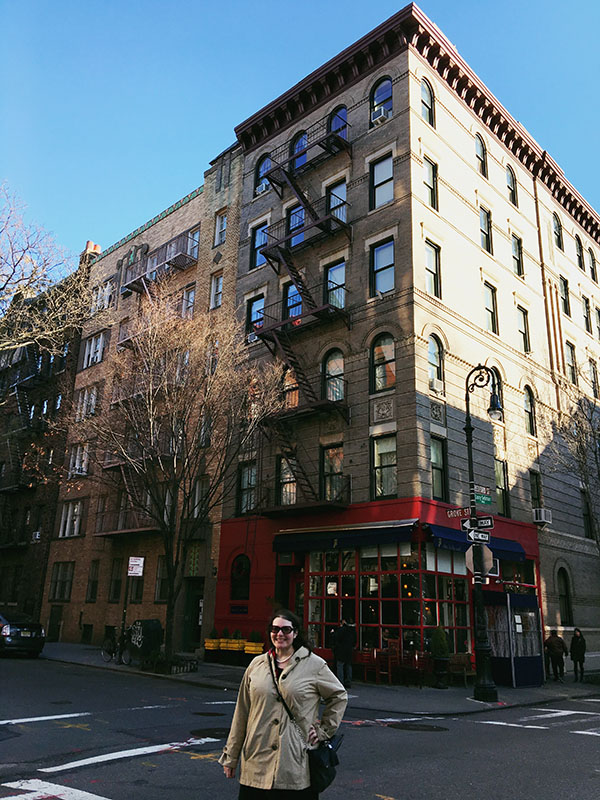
{"type": "Point", "coordinates": [461, 664]}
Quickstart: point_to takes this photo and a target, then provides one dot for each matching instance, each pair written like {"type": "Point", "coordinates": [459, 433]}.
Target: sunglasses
{"type": "Point", "coordinates": [285, 629]}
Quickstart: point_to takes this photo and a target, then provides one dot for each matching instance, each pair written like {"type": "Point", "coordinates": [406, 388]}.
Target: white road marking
{"type": "Point", "coordinates": [137, 751]}
{"type": "Point", "coordinates": [220, 703]}
{"type": "Point", "coordinates": [40, 790]}
{"type": "Point", "coordinates": [556, 712]}
{"type": "Point", "coordinates": [593, 732]}
{"type": "Point", "coordinates": [43, 719]}
{"type": "Point", "coordinates": [510, 724]}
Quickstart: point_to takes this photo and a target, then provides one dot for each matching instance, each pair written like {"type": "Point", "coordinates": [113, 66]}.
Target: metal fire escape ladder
{"type": "Point", "coordinates": [288, 449]}
{"type": "Point", "coordinates": [285, 351]}
{"type": "Point", "coordinates": [130, 492]}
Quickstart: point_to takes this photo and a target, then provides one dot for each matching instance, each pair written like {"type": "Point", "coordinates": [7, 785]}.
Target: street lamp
{"type": "Point", "coordinates": [485, 688]}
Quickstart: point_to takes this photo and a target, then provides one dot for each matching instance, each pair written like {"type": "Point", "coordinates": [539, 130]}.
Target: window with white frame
{"type": "Point", "coordinates": [201, 496]}
{"type": "Point", "coordinates": [70, 522]}
{"type": "Point", "coordinates": [87, 399]}
{"type": "Point", "coordinates": [79, 459]}
{"type": "Point", "coordinates": [194, 242]}
{"type": "Point", "coordinates": [93, 350]}
{"type": "Point", "coordinates": [187, 302]}
{"type": "Point", "coordinates": [216, 290]}
{"type": "Point", "coordinates": [220, 228]}
{"type": "Point", "coordinates": [103, 296]}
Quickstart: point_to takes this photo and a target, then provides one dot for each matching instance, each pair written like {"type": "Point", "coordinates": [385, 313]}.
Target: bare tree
{"type": "Point", "coordinates": [186, 403]}
{"type": "Point", "coordinates": [42, 297]}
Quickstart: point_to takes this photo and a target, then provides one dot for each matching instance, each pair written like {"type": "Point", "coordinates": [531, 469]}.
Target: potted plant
{"type": "Point", "coordinates": [440, 653]}
{"type": "Point", "coordinates": [224, 640]}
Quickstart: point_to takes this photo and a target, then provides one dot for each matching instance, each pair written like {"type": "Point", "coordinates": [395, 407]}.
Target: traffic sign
{"type": "Point", "coordinates": [488, 559]}
{"type": "Point", "coordinates": [478, 536]}
{"type": "Point", "coordinates": [483, 523]}
{"type": "Point", "coordinates": [483, 499]}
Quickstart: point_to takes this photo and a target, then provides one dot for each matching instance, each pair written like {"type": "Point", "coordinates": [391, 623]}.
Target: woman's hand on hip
{"type": "Point", "coordinates": [313, 736]}
{"type": "Point", "coordinates": [229, 772]}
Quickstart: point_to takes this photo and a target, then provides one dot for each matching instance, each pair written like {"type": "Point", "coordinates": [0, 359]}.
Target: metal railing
{"type": "Point", "coordinates": [323, 218]}
{"type": "Point", "coordinates": [319, 132]}
{"type": "Point", "coordinates": [126, 519]}
{"type": "Point", "coordinates": [332, 295]}
{"type": "Point", "coordinates": [179, 253]}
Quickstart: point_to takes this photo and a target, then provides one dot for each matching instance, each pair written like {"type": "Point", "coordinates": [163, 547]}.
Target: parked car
{"type": "Point", "coordinates": [20, 634]}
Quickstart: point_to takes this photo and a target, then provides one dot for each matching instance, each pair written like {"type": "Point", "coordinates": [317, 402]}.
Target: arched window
{"type": "Point", "coordinates": [499, 390]}
{"type": "Point", "coordinates": [481, 156]}
{"type": "Point", "coordinates": [579, 251]}
{"type": "Point", "coordinates": [427, 103]}
{"type": "Point", "coordinates": [557, 228]}
{"type": "Point", "coordinates": [511, 185]}
{"type": "Point", "coordinates": [435, 357]}
{"type": "Point", "coordinates": [299, 143]}
{"type": "Point", "coordinates": [383, 363]}
{"type": "Point", "coordinates": [381, 100]}
{"type": "Point", "coordinates": [261, 183]}
{"type": "Point", "coordinates": [240, 578]}
{"type": "Point", "coordinates": [592, 263]}
{"type": "Point", "coordinates": [333, 375]}
{"type": "Point", "coordinates": [564, 597]}
{"type": "Point", "coordinates": [529, 408]}
{"type": "Point", "coordinates": [338, 122]}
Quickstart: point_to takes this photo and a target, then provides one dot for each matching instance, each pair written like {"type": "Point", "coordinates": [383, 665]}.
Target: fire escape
{"type": "Point", "coordinates": [305, 306]}
{"type": "Point", "coordinates": [141, 269]}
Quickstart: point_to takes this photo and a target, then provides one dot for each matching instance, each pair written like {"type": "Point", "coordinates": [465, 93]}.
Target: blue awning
{"type": "Point", "coordinates": [343, 537]}
{"type": "Point", "coordinates": [451, 539]}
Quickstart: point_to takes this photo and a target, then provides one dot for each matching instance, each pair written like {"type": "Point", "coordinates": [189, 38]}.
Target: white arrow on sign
{"type": "Point", "coordinates": [478, 536]}
{"type": "Point", "coordinates": [486, 523]}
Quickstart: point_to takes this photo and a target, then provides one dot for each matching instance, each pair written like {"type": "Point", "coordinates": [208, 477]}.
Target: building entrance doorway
{"type": "Point", "coordinates": [55, 623]}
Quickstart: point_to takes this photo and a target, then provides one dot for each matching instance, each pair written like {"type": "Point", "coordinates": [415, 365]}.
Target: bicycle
{"type": "Point", "coordinates": [117, 649]}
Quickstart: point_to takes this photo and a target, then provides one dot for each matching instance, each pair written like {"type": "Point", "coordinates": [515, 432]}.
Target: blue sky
{"type": "Point", "coordinates": [110, 110]}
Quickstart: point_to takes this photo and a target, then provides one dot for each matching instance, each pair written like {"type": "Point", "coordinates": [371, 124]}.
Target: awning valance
{"type": "Point", "coordinates": [451, 539]}
{"type": "Point", "coordinates": [342, 537]}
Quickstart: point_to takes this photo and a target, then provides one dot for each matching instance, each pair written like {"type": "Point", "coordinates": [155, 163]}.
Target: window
{"type": "Point", "coordinates": [57, 402]}
{"type": "Point", "coordinates": [338, 122]}
{"type": "Point", "coordinates": [382, 267]}
{"type": "Point", "coordinates": [485, 229]}
{"type": "Point", "coordinates": [103, 296]}
{"type": "Point", "coordinates": [187, 302]}
{"type": "Point", "coordinates": [381, 182]}
{"type": "Point", "coordinates": [511, 185]}
{"type": "Point", "coordinates": [295, 221]}
{"type": "Point", "coordinates": [579, 252]}
{"type": "Point", "coordinates": [161, 587]}
{"type": "Point", "coordinates": [384, 466]}
{"type": "Point", "coordinates": [598, 322]}
{"type": "Point", "coordinates": [61, 581]}
{"type": "Point", "coordinates": [261, 182]}
{"type": "Point", "coordinates": [594, 377]}
{"type": "Point", "coordinates": [332, 460]}
{"type": "Point", "coordinates": [586, 511]}
{"type": "Point", "coordinates": [523, 322]}
{"type": "Point", "coordinates": [193, 243]}
{"type": "Point", "coordinates": [335, 291]}
{"type": "Point", "coordinates": [481, 156]}
{"type": "Point", "coordinates": [93, 350]}
{"type": "Point", "coordinates": [571, 363]}
{"type": "Point", "coordinates": [433, 283]}
{"type": "Point", "coordinates": [87, 399]}
{"type": "Point", "coordinates": [529, 409]}
{"type": "Point", "coordinates": [430, 179]}
{"type": "Point", "coordinates": [491, 309]}
{"type": "Point", "coordinates": [502, 498]}
{"type": "Point", "coordinates": [247, 487]}
{"type": "Point", "coordinates": [383, 364]}
{"type": "Point", "coordinates": [557, 229]}
{"type": "Point", "coordinates": [136, 589]}
{"type": "Point", "coordinates": [499, 388]}
{"type": "Point", "coordinates": [240, 578]}
{"type": "Point", "coordinates": [381, 99]}
{"type": "Point", "coordinates": [70, 522]}
{"type": "Point", "coordinates": [255, 313]}
{"type": "Point", "coordinates": [290, 389]}
{"type": "Point", "coordinates": [427, 103]}
{"type": "Point", "coordinates": [298, 146]}
{"type": "Point", "coordinates": [439, 478]}
{"type": "Point", "coordinates": [564, 597]}
{"type": "Point", "coordinates": [201, 499]}
{"type": "Point", "coordinates": [517, 255]}
{"type": "Point", "coordinates": [286, 482]}
{"type": "Point", "coordinates": [435, 363]}
{"type": "Point", "coordinates": [259, 239]}
{"type": "Point", "coordinates": [216, 290]}
{"type": "Point", "coordinates": [587, 314]}
{"type": "Point", "coordinates": [220, 228]}
{"type": "Point", "coordinates": [535, 487]}
{"type": "Point", "coordinates": [336, 200]}
{"type": "Point", "coordinates": [333, 376]}
{"type": "Point", "coordinates": [564, 296]}
{"type": "Point", "coordinates": [91, 592]}
{"type": "Point", "coordinates": [292, 303]}
{"type": "Point", "coordinates": [592, 264]}
{"type": "Point", "coordinates": [79, 460]}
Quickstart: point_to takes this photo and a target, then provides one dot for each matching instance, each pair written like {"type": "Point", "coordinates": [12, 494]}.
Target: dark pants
{"type": "Point", "coordinates": [250, 793]}
{"type": "Point", "coordinates": [558, 666]}
{"type": "Point", "coordinates": [344, 672]}
{"type": "Point", "coordinates": [578, 664]}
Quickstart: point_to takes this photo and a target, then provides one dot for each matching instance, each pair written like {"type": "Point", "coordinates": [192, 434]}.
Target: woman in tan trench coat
{"type": "Point", "coordinates": [270, 749]}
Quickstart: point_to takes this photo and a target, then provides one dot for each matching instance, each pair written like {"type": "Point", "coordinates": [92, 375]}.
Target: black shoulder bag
{"type": "Point", "coordinates": [323, 759]}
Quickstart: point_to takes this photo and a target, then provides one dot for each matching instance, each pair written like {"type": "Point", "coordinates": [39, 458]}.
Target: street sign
{"type": "Point", "coordinates": [483, 523]}
{"type": "Point", "coordinates": [135, 567]}
{"type": "Point", "coordinates": [483, 495]}
{"type": "Point", "coordinates": [478, 536]}
{"type": "Point", "coordinates": [458, 512]}
{"type": "Point", "coordinates": [488, 559]}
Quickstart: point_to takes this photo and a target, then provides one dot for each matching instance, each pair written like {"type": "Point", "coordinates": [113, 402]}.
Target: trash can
{"type": "Point", "coordinates": [146, 638]}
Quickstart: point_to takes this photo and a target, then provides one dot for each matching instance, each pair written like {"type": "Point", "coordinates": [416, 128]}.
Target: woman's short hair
{"type": "Point", "coordinates": [301, 639]}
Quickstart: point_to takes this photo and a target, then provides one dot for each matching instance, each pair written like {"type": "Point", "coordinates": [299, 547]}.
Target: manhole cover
{"type": "Point", "coordinates": [415, 726]}
{"type": "Point", "coordinates": [209, 713]}
{"type": "Point", "coordinates": [215, 733]}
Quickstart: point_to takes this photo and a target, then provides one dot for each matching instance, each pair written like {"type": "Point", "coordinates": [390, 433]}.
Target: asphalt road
{"type": "Point", "coordinates": [77, 733]}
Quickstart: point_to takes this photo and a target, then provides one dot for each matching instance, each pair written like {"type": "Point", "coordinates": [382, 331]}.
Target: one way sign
{"type": "Point", "coordinates": [483, 523]}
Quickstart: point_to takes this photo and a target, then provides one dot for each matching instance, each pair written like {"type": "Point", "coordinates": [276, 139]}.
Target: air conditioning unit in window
{"type": "Point", "coordinates": [262, 187]}
{"type": "Point", "coordinates": [251, 337]}
{"type": "Point", "coordinates": [36, 536]}
{"type": "Point", "coordinates": [542, 516]}
{"type": "Point", "coordinates": [125, 291]}
{"type": "Point", "coordinates": [436, 385]}
{"type": "Point", "coordinates": [380, 115]}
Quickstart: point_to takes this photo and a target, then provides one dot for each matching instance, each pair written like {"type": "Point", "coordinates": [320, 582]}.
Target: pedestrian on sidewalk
{"type": "Point", "coordinates": [577, 651]}
{"type": "Point", "coordinates": [270, 747]}
{"type": "Point", "coordinates": [344, 642]}
{"type": "Point", "coordinates": [556, 648]}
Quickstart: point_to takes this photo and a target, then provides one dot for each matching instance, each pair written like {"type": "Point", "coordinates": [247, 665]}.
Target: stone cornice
{"type": "Point", "coordinates": [410, 27]}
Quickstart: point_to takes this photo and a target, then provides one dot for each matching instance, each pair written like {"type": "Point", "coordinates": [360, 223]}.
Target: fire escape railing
{"type": "Point", "coordinates": [179, 253]}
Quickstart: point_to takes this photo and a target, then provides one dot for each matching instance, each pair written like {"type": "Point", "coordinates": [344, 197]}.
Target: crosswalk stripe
{"type": "Point", "coordinates": [40, 790]}
{"type": "Point", "coordinates": [510, 724]}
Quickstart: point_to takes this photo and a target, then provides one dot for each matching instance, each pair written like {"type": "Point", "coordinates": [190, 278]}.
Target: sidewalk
{"type": "Point", "coordinates": [381, 700]}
